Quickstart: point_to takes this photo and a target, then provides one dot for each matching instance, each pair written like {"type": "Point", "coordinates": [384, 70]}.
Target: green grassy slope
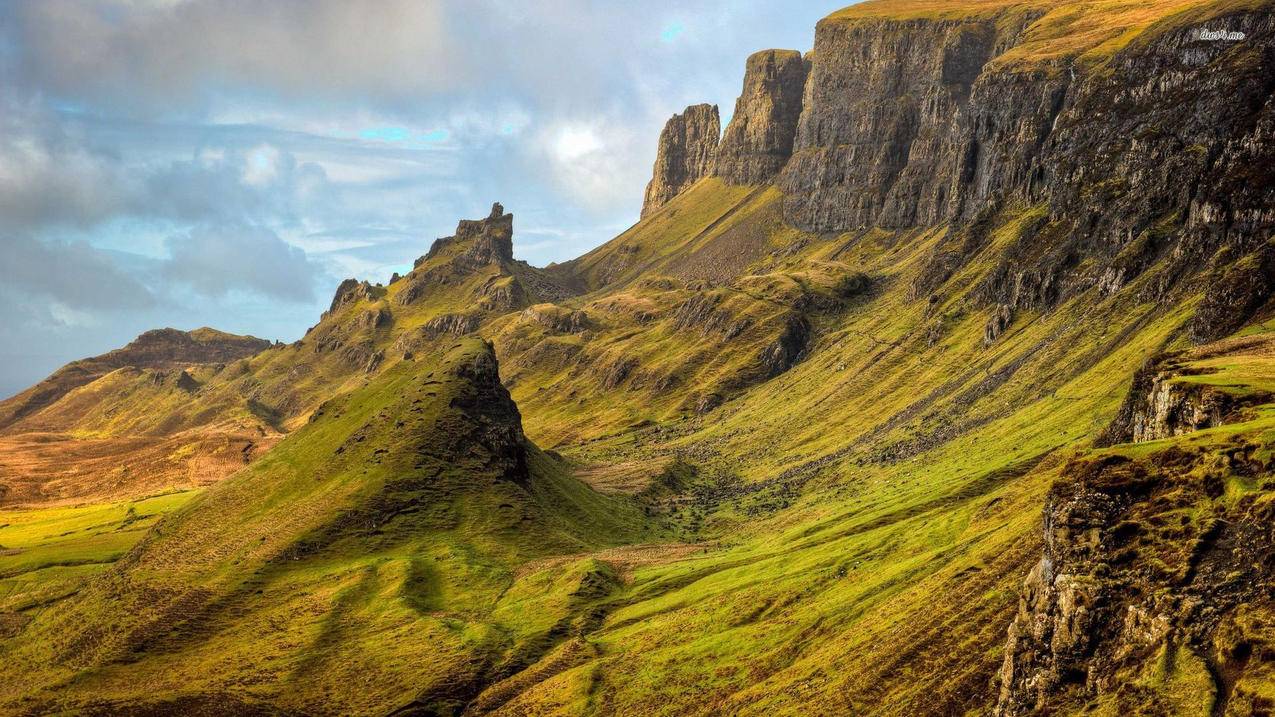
{"type": "Point", "coordinates": [840, 449]}
{"type": "Point", "coordinates": [370, 561]}
{"type": "Point", "coordinates": [866, 557]}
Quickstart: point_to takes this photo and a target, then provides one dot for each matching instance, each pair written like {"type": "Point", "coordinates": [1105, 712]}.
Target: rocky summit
{"type": "Point", "coordinates": [942, 384]}
{"type": "Point", "coordinates": [759, 139]}
{"type": "Point", "coordinates": [688, 146]}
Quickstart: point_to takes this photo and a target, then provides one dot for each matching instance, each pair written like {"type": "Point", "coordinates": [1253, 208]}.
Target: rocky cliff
{"type": "Point", "coordinates": [1147, 570]}
{"type": "Point", "coordinates": [758, 141]}
{"type": "Point", "coordinates": [1136, 154]}
{"type": "Point", "coordinates": [687, 149]}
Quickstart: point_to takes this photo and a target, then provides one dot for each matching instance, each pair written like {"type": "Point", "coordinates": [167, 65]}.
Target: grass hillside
{"type": "Point", "coordinates": [394, 523]}
{"type": "Point", "coordinates": [984, 467]}
{"type": "Point", "coordinates": [1056, 32]}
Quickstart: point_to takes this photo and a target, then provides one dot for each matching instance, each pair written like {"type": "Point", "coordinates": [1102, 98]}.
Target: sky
{"type": "Point", "coordinates": [226, 163]}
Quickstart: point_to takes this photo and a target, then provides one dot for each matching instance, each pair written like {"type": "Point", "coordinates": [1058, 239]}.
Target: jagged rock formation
{"type": "Point", "coordinates": [688, 146]}
{"type": "Point", "coordinates": [759, 139]}
{"type": "Point", "coordinates": [491, 240]}
{"type": "Point", "coordinates": [351, 291]}
{"type": "Point", "coordinates": [1161, 404]}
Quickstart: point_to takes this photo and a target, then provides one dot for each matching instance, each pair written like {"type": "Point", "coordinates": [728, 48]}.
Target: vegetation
{"type": "Point", "coordinates": [723, 466]}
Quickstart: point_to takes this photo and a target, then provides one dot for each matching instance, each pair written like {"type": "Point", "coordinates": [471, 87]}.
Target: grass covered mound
{"type": "Point", "coordinates": [370, 561]}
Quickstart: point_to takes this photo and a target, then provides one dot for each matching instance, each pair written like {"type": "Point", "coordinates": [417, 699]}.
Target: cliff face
{"type": "Point", "coordinates": [1163, 148]}
{"type": "Point", "coordinates": [688, 147]}
{"type": "Point", "coordinates": [759, 139]}
{"type": "Point", "coordinates": [886, 128]}
{"type": "Point", "coordinates": [1163, 402]}
{"type": "Point", "coordinates": [1145, 563]}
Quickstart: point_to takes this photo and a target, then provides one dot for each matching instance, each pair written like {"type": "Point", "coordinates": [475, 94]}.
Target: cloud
{"type": "Point", "coordinates": [73, 275]}
{"type": "Point", "coordinates": [216, 259]}
{"type": "Point", "coordinates": [191, 162]}
{"type": "Point", "coordinates": [170, 56]}
{"type": "Point", "coordinates": [47, 175]}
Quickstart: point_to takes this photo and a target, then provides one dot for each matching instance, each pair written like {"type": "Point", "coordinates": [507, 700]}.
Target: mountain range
{"type": "Point", "coordinates": [941, 381]}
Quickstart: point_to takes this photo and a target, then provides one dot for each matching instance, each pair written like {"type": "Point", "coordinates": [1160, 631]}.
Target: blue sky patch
{"type": "Point", "coordinates": [385, 134]}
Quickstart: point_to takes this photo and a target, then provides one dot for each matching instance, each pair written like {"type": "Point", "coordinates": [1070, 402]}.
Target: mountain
{"type": "Point", "coordinates": [940, 384]}
{"type": "Point", "coordinates": [63, 439]}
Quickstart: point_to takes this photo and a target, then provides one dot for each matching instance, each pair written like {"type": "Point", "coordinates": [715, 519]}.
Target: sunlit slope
{"type": "Point", "coordinates": [179, 398]}
{"type": "Point", "coordinates": [369, 561]}
{"type": "Point", "coordinates": [879, 502]}
{"type": "Point", "coordinates": [163, 350]}
{"type": "Point", "coordinates": [1056, 32]}
{"type": "Point", "coordinates": [692, 307]}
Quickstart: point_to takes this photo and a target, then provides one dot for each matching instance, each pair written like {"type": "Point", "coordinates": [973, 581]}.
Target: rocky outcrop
{"type": "Point", "coordinates": [484, 247]}
{"type": "Point", "coordinates": [687, 149]}
{"type": "Point", "coordinates": [492, 419]}
{"type": "Point", "coordinates": [351, 291]}
{"type": "Point", "coordinates": [488, 240]}
{"type": "Point", "coordinates": [1160, 404]}
{"type": "Point", "coordinates": [1232, 297]}
{"type": "Point", "coordinates": [789, 347]}
{"type": "Point", "coordinates": [556, 319]}
{"type": "Point", "coordinates": [759, 139]}
{"type": "Point", "coordinates": [924, 121]}
{"type": "Point", "coordinates": [456, 324]}
{"type": "Point", "coordinates": [1144, 567]}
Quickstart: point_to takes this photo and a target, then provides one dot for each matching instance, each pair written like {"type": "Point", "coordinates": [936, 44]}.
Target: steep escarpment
{"type": "Point", "coordinates": [1144, 597]}
{"type": "Point", "coordinates": [759, 138]}
{"type": "Point", "coordinates": [687, 148]}
{"type": "Point", "coordinates": [970, 112]}
{"type": "Point", "coordinates": [880, 139]}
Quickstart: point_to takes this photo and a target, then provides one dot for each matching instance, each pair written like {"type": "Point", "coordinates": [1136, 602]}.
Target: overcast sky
{"type": "Point", "coordinates": [225, 162]}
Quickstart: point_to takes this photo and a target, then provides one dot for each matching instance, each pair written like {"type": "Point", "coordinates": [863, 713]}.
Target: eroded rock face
{"type": "Point", "coordinates": [1161, 405]}
{"type": "Point", "coordinates": [494, 421]}
{"type": "Point", "coordinates": [477, 243]}
{"type": "Point", "coordinates": [921, 122]}
{"type": "Point", "coordinates": [880, 140]}
{"type": "Point", "coordinates": [351, 291]}
{"type": "Point", "coordinates": [1143, 562]}
{"type": "Point", "coordinates": [759, 139]}
{"type": "Point", "coordinates": [688, 147]}
{"type": "Point", "coordinates": [492, 238]}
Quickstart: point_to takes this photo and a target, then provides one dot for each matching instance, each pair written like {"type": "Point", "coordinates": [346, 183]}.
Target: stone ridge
{"type": "Point", "coordinates": [493, 238]}
{"type": "Point", "coordinates": [759, 139]}
{"type": "Point", "coordinates": [687, 151]}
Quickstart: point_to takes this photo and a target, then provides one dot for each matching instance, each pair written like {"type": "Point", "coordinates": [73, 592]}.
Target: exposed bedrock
{"type": "Point", "coordinates": [911, 122]}
{"type": "Point", "coordinates": [688, 147]}
{"type": "Point", "coordinates": [759, 139]}
{"type": "Point", "coordinates": [890, 119]}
